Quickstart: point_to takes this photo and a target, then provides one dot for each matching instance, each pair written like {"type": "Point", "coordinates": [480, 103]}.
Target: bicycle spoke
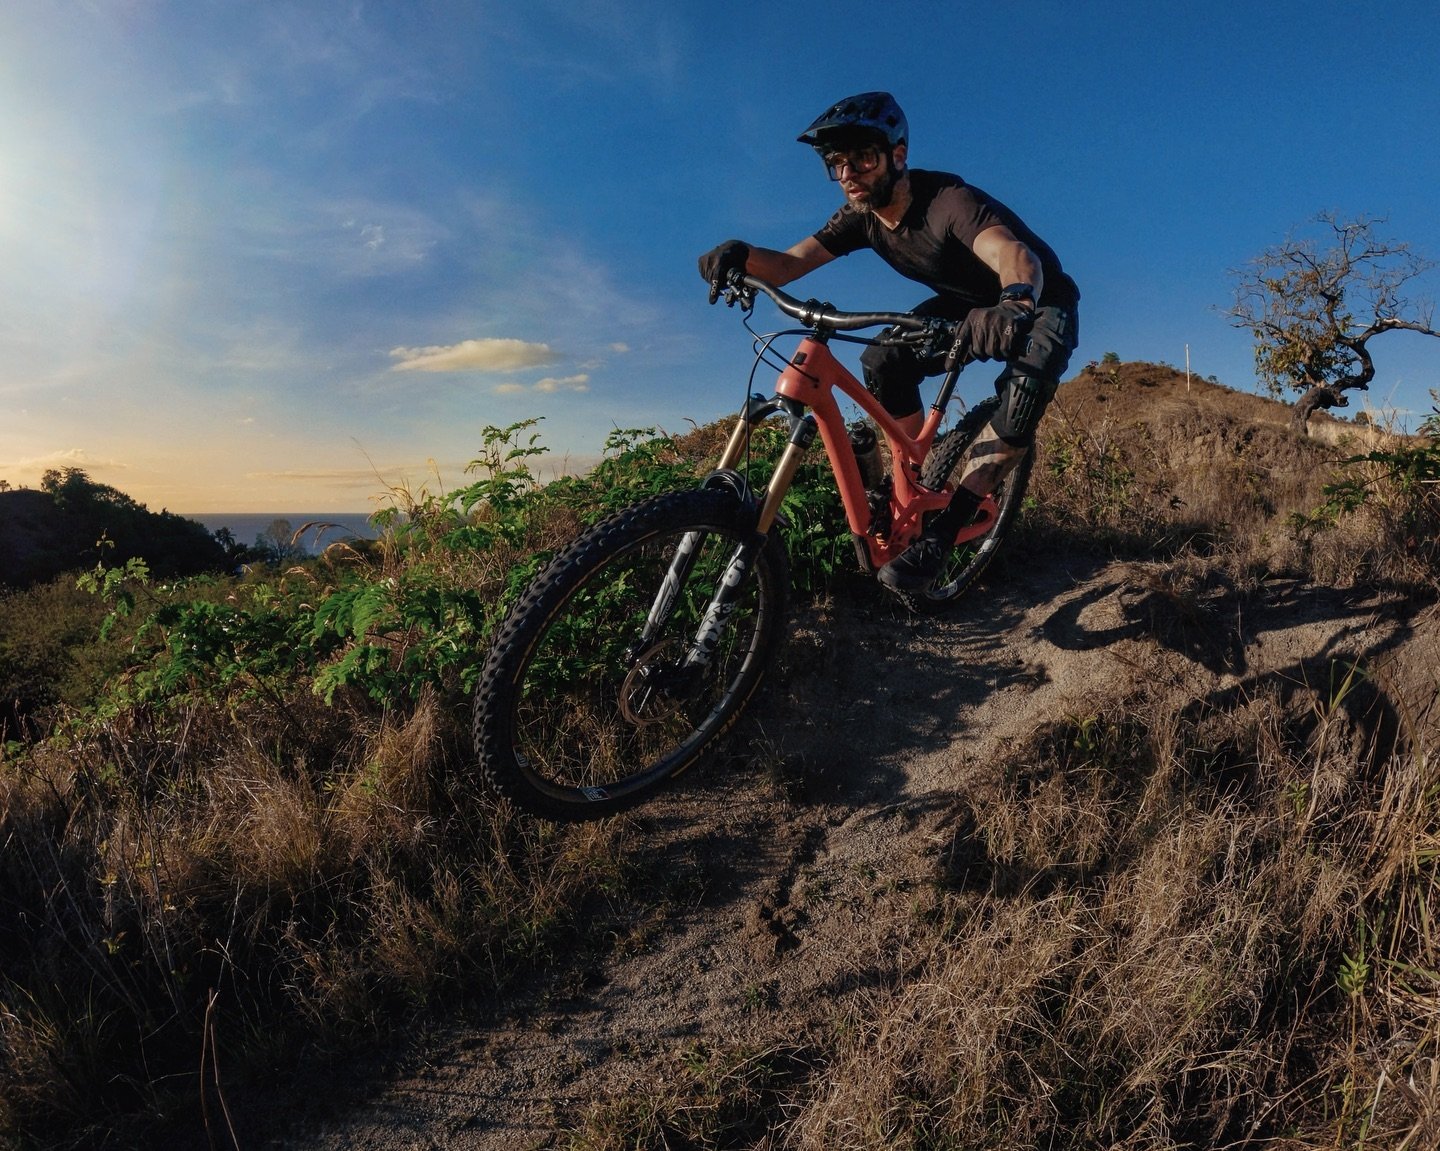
{"type": "Point", "coordinates": [606, 698]}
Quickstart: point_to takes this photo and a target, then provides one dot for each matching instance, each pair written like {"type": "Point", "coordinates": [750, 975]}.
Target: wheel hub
{"type": "Point", "coordinates": [655, 688]}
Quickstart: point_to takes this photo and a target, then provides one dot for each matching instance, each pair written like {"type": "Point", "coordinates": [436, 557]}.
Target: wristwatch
{"type": "Point", "coordinates": [1019, 293]}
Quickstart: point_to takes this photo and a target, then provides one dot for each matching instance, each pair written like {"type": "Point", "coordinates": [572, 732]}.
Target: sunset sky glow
{"type": "Point", "coordinates": [278, 256]}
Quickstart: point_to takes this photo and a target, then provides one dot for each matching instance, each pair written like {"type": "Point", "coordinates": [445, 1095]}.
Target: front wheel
{"type": "Point", "coordinates": [595, 691]}
{"type": "Point", "coordinates": [969, 559]}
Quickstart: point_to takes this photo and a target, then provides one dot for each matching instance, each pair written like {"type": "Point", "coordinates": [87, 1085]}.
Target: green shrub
{"type": "Point", "coordinates": [50, 651]}
{"type": "Point", "coordinates": [254, 810]}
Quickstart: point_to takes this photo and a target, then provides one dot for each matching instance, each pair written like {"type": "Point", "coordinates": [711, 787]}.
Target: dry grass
{"type": "Point", "coordinates": [307, 897]}
{"type": "Point", "coordinates": [1170, 922]}
{"type": "Point", "coordinates": [1110, 967]}
{"type": "Point", "coordinates": [1166, 923]}
{"type": "Point", "coordinates": [1146, 463]}
{"type": "Point", "coordinates": [1163, 925]}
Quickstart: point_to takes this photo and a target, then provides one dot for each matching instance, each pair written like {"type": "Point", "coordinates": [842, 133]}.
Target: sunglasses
{"type": "Point", "coordinates": [858, 160]}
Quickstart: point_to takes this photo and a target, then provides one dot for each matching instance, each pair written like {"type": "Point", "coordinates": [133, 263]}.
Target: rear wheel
{"type": "Point", "coordinates": [591, 697]}
{"type": "Point", "coordinates": [969, 559]}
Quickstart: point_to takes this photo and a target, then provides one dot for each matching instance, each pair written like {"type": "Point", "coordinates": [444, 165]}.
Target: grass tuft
{"type": "Point", "coordinates": [241, 826]}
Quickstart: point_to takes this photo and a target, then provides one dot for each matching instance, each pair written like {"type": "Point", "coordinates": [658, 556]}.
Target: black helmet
{"type": "Point", "coordinates": [870, 116]}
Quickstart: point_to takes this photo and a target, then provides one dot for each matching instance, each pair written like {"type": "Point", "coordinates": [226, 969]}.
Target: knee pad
{"type": "Point", "coordinates": [1028, 384]}
{"type": "Point", "coordinates": [1022, 402]}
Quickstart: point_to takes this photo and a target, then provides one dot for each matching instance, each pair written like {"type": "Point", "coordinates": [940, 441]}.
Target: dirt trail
{"type": "Point", "coordinates": [800, 875]}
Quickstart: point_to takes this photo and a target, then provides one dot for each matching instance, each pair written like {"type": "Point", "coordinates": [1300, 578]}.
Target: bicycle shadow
{"type": "Point", "coordinates": [1326, 692]}
{"type": "Point", "coordinates": [872, 686]}
{"type": "Point", "coordinates": [1286, 638]}
{"type": "Point", "coordinates": [1225, 629]}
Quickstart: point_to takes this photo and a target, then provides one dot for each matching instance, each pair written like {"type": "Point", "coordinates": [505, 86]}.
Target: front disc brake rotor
{"type": "Point", "coordinates": [652, 691]}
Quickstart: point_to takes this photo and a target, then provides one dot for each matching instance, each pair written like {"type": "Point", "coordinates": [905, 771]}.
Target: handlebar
{"type": "Point", "coordinates": [814, 314]}
{"type": "Point", "coordinates": [929, 333]}
{"type": "Point", "coordinates": [825, 317]}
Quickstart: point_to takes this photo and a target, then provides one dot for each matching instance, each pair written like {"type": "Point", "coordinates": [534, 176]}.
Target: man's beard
{"type": "Point", "coordinates": [880, 195]}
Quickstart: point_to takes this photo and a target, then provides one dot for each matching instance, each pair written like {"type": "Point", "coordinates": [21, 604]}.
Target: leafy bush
{"type": "Point", "coordinates": [255, 812]}
{"type": "Point", "coordinates": [50, 652]}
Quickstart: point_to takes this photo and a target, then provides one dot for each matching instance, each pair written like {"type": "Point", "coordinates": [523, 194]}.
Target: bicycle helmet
{"type": "Point", "coordinates": [870, 116]}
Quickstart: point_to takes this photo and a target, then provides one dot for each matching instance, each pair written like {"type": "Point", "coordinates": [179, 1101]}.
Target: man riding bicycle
{"type": "Point", "coordinates": [987, 268]}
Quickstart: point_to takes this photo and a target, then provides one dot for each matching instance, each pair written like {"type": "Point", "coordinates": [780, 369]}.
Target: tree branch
{"type": "Point", "coordinates": [1313, 312]}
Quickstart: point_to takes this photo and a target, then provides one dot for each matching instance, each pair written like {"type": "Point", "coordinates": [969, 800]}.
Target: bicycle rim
{"type": "Point", "coordinates": [968, 560]}
{"type": "Point", "coordinates": [594, 713]}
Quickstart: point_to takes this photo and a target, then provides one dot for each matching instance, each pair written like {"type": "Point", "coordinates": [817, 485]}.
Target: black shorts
{"type": "Point", "coordinates": [893, 374]}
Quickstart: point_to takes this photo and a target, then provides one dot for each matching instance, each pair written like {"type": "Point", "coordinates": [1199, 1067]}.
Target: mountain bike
{"type": "Point", "coordinates": [645, 639]}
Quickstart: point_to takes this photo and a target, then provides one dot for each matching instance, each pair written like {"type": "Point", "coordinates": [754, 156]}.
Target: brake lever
{"type": "Point", "coordinates": [928, 341]}
{"type": "Point", "coordinates": [739, 292]}
{"type": "Point", "coordinates": [959, 352]}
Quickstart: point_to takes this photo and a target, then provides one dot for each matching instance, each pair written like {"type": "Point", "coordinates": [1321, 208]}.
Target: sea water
{"type": "Point", "coordinates": [247, 527]}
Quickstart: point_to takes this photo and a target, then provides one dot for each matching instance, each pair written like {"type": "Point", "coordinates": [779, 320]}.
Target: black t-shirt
{"type": "Point", "coordinates": [932, 242]}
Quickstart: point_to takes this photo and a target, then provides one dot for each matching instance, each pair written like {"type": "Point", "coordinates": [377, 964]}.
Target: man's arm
{"type": "Point", "coordinates": [782, 267]}
{"type": "Point", "coordinates": [1009, 258]}
{"type": "Point", "coordinates": [993, 331]}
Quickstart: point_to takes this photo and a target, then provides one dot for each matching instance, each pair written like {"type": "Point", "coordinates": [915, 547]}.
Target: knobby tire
{"type": "Point", "coordinates": [969, 560]}
{"type": "Point", "coordinates": [571, 722]}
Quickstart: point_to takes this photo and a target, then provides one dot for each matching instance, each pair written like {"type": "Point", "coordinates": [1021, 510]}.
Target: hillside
{"type": "Point", "coordinates": [1030, 869]}
{"type": "Point", "coordinates": [1134, 849]}
{"type": "Point", "coordinates": [44, 534]}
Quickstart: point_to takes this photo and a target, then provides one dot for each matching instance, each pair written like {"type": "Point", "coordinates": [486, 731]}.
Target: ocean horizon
{"type": "Point", "coordinates": [247, 527]}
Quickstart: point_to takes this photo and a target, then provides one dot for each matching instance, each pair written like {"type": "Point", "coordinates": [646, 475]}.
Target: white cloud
{"type": "Point", "coordinates": [491, 355]}
{"type": "Point", "coordinates": [619, 349]}
{"type": "Point", "coordinates": [317, 475]}
{"type": "Point", "coordinates": [28, 471]}
{"type": "Point", "coordinates": [63, 458]}
{"type": "Point", "coordinates": [580, 383]}
{"type": "Point", "coordinates": [548, 385]}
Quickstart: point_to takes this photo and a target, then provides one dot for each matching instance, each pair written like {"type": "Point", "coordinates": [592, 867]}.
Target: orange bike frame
{"type": "Point", "coordinates": [811, 378]}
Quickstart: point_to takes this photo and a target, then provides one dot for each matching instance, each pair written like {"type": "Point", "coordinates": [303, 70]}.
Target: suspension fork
{"type": "Point", "coordinates": [802, 434]}
{"type": "Point", "coordinates": [742, 561]}
{"type": "Point", "coordinates": [723, 603]}
{"type": "Point", "coordinates": [757, 408]}
{"type": "Point", "coordinates": [681, 564]}
{"type": "Point", "coordinates": [701, 648]}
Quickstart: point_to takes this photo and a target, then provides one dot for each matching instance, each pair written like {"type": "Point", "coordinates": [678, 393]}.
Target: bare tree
{"type": "Point", "coordinates": [280, 543]}
{"type": "Point", "coordinates": [1313, 312]}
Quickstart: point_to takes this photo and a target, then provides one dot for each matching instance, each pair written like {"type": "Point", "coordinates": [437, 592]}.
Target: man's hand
{"type": "Point", "coordinates": [717, 264]}
{"type": "Point", "coordinates": [994, 333]}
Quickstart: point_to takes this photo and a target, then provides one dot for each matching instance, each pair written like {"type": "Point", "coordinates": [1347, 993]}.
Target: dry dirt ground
{"type": "Point", "coordinates": [798, 871]}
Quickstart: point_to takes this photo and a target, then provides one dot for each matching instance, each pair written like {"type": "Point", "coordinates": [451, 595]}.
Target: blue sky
{"type": "Point", "coordinates": [276, 256]}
